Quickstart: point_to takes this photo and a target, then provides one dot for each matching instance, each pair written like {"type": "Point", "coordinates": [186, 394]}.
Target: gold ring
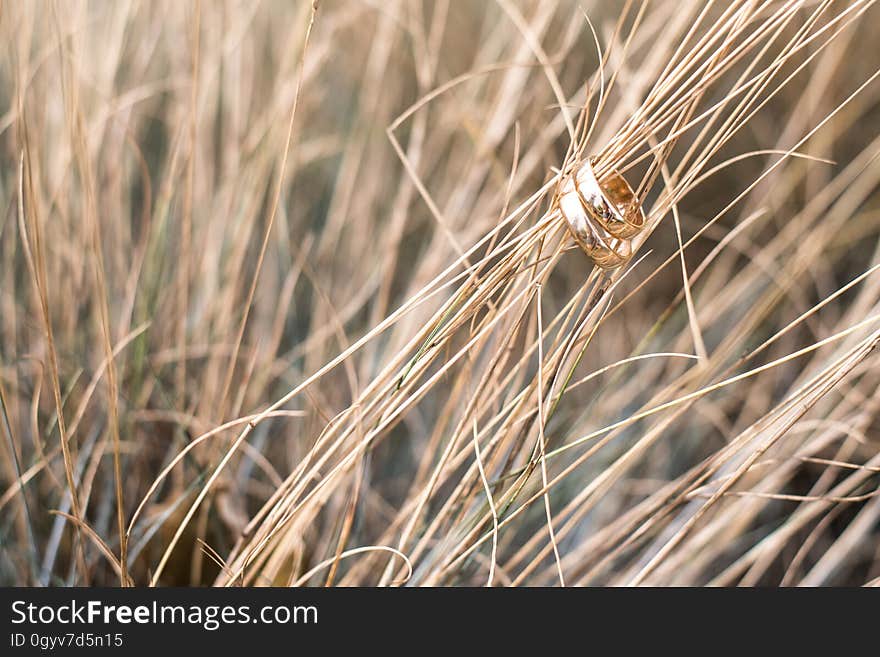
{"type": "Point", "coordinates": [601, 217]}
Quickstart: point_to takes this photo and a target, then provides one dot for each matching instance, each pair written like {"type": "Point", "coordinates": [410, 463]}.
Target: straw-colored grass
{"type": "Point", "coordinates": [285, 297]}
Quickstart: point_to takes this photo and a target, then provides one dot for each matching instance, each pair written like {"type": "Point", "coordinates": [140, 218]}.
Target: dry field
{"type": "Point", "coordinates": [286, 296]}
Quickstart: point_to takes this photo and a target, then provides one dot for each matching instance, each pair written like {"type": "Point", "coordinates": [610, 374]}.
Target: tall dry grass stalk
{"type": "Point", "coordinates": [286, 298]}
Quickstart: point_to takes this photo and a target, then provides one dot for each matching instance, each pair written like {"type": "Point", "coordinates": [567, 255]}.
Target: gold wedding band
{"type": "Point", "coordinates": [601, 217]}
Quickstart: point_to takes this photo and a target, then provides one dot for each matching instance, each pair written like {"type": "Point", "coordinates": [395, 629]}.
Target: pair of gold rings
{"type": "Point", "coordinates": [602, 218]}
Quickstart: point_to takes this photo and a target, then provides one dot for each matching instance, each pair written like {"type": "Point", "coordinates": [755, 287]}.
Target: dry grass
{"type": "Point", "coordinates": [284, 297]}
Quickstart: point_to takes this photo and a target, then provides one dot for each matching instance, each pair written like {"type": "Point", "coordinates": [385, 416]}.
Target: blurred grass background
{"type": "Point", "coordinates": [143, 145]}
